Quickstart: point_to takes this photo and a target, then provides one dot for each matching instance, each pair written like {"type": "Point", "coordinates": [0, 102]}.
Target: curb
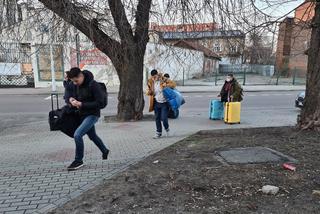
{"type": "Point", "coordinates": [268, 90]}
{"type": "Point", "coordinates": [182, 91]}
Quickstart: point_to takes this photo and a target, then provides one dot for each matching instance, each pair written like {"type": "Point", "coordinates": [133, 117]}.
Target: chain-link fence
{"type": "Point", "coordinates": [9, 81]}
{"type": "Point", "coordinates": [253, 75]}
{"type": "Point", "coordinates": [15, 65]}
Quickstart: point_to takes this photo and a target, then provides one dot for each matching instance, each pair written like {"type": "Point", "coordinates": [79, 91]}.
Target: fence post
{"type": "Point", "coordinates": [244, 76]}
{"type": "Point", "coordinates": [78, 49]}
{"type": "Point", "coordinates": [294, 76]}
{"type": "Point", "coordinates": [216, 78]}
{"type": "Point", "coordinates": [278, 75]}
{"type": "Point", "coordinates": [183, 76]}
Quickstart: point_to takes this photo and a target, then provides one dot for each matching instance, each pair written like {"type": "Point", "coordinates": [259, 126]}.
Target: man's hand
{"type": "Point", "coordinates": [71, 99]}
{"type": "Point", "coordinates": [75, 103]}
{"type": "Point", "coordinates": [66, 76]}
{"type": "Point", "coordinates": [78, 104]}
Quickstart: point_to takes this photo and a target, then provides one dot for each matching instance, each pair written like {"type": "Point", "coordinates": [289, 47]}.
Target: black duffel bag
{"type": "Point", "coordinates": [66, 119]}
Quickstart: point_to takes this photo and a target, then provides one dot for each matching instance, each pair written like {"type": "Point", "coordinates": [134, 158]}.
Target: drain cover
{"type": "Point", "coordinates": [254, 155]}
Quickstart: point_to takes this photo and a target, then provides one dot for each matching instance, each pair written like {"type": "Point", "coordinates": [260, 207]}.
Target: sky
{"type": "Point", "coordinates": [274, 8]}
{"type": "Point", "coordinates": [281, 9]}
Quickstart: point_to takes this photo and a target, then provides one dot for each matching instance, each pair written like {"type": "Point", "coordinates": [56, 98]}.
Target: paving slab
{"type": "Point", "coordinates": [33, 160]}
{"type": "Point", "coordinates": [251, 155]}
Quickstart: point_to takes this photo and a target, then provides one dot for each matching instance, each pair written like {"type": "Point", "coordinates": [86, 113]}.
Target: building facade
{"type": "Point", "coordinates": [293, 41]}
{"type": "Point", "coordinates": [25, 53]}
{"type": "Point", "coordinates": [227, 44]}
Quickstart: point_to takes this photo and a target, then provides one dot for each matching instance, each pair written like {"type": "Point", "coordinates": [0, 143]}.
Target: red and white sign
{"type": "Point", "coordinates": [88, 57]}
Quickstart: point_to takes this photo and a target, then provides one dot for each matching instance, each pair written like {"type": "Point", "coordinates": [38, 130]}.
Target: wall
{"type": "Point", "coordinates": [10, 69]}
{"type": "Point", "coordinates": [97, 62]}
{"type": "Point", "coordinates": [230, 48]}
{"type": "Point", "coordinates": [284, 43]}
{"type": "Point", "coordinates": [305, 12]}
{"type": "Point", "coordinates": [293, 41]}
{"type": "Point", "coordinates": [228, 55]}
{"type": "Point", "coordinates": [264, 70]}
{"type": "Point", "coordinates": [179, 63]}
{"type": "Point", "coordinates": [299, 45]}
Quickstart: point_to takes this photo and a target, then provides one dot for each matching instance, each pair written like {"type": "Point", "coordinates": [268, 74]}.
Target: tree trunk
{"type": "Point", "coordinates": [130, 97]}
{"type": "Point", "coordinates": [310, 115]}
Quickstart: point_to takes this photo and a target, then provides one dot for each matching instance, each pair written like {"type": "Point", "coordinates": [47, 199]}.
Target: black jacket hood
{"type": "Point", "coordinates": [88, 77]}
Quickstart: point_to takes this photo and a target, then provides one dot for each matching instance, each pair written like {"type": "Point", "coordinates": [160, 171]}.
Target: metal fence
{"type": "Point", "coordinates": [20, 75]}
{"type": "Point", "coordinates": [258, 75]}
{"type": "Point", "coordinates": [10, 81]}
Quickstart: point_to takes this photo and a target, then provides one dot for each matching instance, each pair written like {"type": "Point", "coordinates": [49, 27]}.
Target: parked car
{"type": "Point", "coordinates": [300, 99]}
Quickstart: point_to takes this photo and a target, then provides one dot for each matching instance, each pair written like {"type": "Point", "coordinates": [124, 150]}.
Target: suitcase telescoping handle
{"type": "Point", "coordinates": [57, 100]}
{"type": "Point", "coordinates": [228, 106]}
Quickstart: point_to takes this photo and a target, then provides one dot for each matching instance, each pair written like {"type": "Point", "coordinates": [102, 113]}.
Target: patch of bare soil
{"type": "Point", "coordinates": [189, 177]}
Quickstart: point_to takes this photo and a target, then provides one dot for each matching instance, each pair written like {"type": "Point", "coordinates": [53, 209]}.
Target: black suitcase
{"type": "Point", "coordinates": [55, 115]}
{"type": "Point", "coordinates": [66, 119]}
{"type": "Point", "coordinates": [173, 114]}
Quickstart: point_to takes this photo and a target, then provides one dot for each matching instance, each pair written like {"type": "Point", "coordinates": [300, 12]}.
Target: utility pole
{"type": "Point", "coordinates": [183, 76]}
{"type": "Point", "coordinates": [53, 72]}
{"type": "Point", "coordinates": [78, 48]}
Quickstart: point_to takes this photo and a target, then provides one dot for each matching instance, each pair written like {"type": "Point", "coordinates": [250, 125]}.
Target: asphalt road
{"type": "Point", "coordinates": [18, 110]}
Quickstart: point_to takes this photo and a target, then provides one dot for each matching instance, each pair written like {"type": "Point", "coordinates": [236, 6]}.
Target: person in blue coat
{"type": "Point", "coordinates": [158, 102]}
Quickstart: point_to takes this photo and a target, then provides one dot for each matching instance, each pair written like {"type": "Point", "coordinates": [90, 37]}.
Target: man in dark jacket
{"type": "Point", "coordinates": [88, 99]}
{"type": "Point", "coordinates": [70, 88]}
{"type": "Point", "coordinates": [231, 90]}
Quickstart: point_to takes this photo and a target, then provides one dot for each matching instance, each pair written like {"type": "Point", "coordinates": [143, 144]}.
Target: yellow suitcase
{"type": "Point", "coordinates": [232, 112]}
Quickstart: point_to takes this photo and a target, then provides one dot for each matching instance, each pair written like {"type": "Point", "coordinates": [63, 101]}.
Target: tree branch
{"type": "Point", "coordinates": [142, 20]}
{"type": "Point", "coordinates": [71, 14]}
{"type": "Point", "coordinates": [121, 20]}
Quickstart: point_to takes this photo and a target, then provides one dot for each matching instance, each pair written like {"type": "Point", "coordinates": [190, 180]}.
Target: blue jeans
{"type": "Point", "coordinates": [161, 112]}
{"type": "Point", "coordinates": [87, 127]}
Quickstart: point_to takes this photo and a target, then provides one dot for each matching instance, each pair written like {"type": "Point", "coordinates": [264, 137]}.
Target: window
{"type": "Point", "coordinates": [233, 48]}
{"type": "Point", "coordinates": [306, 44]}
{"type": "Point", "coordinates": [217, 47]}
{"type": "Point", "coordinates": [44, 62]}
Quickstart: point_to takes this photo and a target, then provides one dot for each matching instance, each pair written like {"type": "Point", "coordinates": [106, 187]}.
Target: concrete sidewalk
{"type": "Point", "coordinates": [183, 89]}
{"type": "Point", "coordinates": [33, 161]}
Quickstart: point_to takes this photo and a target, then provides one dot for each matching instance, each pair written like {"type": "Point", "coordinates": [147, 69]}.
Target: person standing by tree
{"type": "Point", "coordinates": [231, 90]}
{"type": "Point", "coordinates": [168, 82]}
{"type": "Point", "coordinates": [88, 100]}
{"type": "Point", "coordinates": [158, 103]}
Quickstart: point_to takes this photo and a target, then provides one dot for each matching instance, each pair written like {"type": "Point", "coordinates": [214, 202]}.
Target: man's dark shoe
{"type": "Point", "coordinates": [105, 155]}
{"type": "Point", "coordinates": [75, 165]}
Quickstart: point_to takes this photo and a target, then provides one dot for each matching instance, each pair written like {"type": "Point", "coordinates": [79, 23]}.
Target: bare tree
{"type": "Point", "coordinates": [127, 54]}
{"type": "Point", "coordinates": [119, 28]}
{"type": "Point", "coordinates": [259, 50]}
{"type": "Point", "coordinates": [127, 49]}
{"type": "Point", "coordinates": [310, 116]}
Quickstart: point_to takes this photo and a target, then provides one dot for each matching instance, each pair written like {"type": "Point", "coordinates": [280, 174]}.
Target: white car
{"type": "Point", "coordinates": [300, 99]}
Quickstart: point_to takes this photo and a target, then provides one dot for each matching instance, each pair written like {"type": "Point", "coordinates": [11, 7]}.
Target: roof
{"type": "Point", "coordinates": [184, 27]}
{"type": "Point", "coordinates": [305, 11]}
{"type": "Point", "coordinates": [202, 34]}
{"type": "Point", "coordinates": [196, 46]}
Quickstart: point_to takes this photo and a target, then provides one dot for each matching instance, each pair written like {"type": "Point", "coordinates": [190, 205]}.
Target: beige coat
{"type": "Point", "coordinates": [150, 90]}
